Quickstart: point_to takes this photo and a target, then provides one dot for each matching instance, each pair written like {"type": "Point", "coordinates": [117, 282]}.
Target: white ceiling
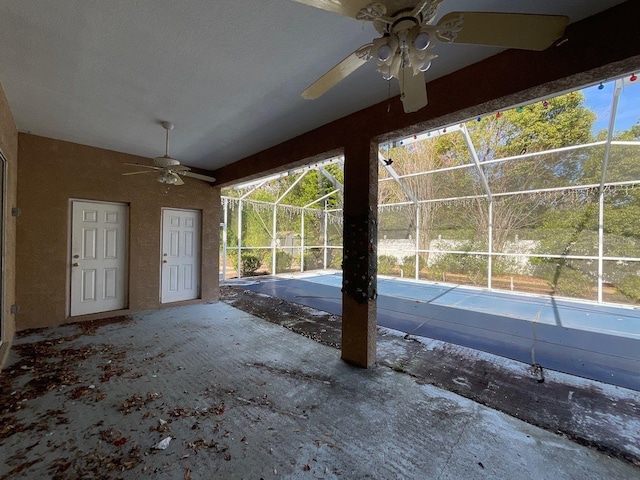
{"type": "Point", "coordinates": [228, 73]}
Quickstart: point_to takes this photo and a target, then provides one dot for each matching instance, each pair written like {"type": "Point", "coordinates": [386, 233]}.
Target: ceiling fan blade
{"type": "Point", "coordinates": [338, 73]}
{"type": "Point", "coordinates": [137, 173]}
{"type": "Point", "coordinates": [413, 90]}
{"type": "Point", "coordinates": [142, 166]}
{"type": "Point", "coordinates": [349, 8]}
{"type": "Point", "coordinates": [205, 178]}
{"type": "Point", "coordinates": [509, 30]}
{"type": "Point", "coordinates": [180, 168]}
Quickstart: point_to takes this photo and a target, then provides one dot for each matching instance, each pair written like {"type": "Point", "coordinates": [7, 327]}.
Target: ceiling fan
{"type": "Point", "coordinates": [170, 169]}
{"type": "Point", "coordinates": [404, 50]}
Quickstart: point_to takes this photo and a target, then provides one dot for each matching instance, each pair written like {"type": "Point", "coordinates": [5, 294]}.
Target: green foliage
{"type": "Point", "coordinates": [335, 259]}
{"type": "Point", "coordinates": [505, 266]}
{"type": "Point", "coordinates": [560, 223]}
{"type": "Point", "coordinates": [250, 263]}
{"type": "Point", "coordinates": [386, 264]}
{"type": "Point", "coordinates": [314, 259]}
{"type": "Point", "coordinates": [409, 265]}
{"type": "Point", "coordinates": [630, 286]}
{"type": "Point", "coordinates": [474, 266]}
{"type": "Point", "coordinates": [283, 261]}
{"type": "Point", "coordinates": [565, 279]}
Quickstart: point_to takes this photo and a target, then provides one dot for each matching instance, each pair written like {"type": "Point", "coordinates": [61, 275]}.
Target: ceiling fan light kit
{"type": "Point", "coordinates": [404, 51]}
{"type": "Point", "coordinates": [170, 169]}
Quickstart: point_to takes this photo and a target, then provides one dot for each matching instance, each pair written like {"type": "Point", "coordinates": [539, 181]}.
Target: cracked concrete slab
{"type": "Point", "coordinates": [244, 398]}
{"type": "Point", "coordinates": [591, 413]}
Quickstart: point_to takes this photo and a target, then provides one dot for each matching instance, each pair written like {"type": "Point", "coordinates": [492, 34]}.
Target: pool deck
{"type": "Point", "coordinates": [599, 342]}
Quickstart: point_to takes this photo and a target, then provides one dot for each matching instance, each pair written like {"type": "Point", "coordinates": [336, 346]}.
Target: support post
{"type": "Point", "coordinates": [240, 238]}
{"type": "Point", "coordinates": [603, 178]}
{"type": "Point", "coordinates": [490, 246]}
{"type": "Point", "coordinates": [325, 234]}
{"type": "Point", "coordinates": [274, 239]}
{"type": "Point", "coordinates": [359, 263]}
{"type": "Point", "coordinates": [302, 243]}
{"type": "Point", "coordinates": [224, 239]}
{"type": "Point", "coordinates": [417, 258]}
{"type": "Point", "coordinates": [485, 184]}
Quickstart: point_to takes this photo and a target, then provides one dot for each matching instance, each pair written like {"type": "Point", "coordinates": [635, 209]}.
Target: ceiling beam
{"type": "Point", "coordinates": [599, 47]}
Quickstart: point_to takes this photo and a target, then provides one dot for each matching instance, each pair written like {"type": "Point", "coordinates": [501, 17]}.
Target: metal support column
{"type": "Point", "coordinates": [239, 238]}
{"type": "Point", "coordinates": [225, 214]}
{"type": "Point", "coordinates": [417, 258]}
{"type": "Point", "coordinates": [490, 245]}
{"type": "Point", "coordinates": [326, 230]}
{"type": "Point", "coordinates": [274, 239]}
{"type": "Point", "coordinates": [605, 163]}
{"type": "Point", "coordinates": [485, 185]}
{"type": "Point", "coordinates": [302, 244]}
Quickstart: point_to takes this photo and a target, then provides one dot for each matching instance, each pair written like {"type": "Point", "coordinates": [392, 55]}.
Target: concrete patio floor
{"type": "Point", "coordinates": [244, 398]}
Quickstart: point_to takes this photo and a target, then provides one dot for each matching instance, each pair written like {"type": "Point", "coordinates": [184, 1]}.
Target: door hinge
{"type": "Point", "coordinates": [15, 212]}
{"type": "Point", "coordinates": [14, 309]}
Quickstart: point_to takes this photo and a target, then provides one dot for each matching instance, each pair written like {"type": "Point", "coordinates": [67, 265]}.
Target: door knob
{"type": "Point", "coordinates": [76, 264]}
{"type": "Point", "coordinates": [164, 261]}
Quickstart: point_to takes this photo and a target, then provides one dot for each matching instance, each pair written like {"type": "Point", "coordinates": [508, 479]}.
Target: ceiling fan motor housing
{"type": "Point", "coordinates": [166, 161]}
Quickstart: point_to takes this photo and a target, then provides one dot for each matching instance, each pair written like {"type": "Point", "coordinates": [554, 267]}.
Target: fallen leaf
{"type": "Point", "coordinates": [306, 468]}
{"type": "Point", "coordinates": [120, 441]}
{"type": "Point", "coordinates": [187, 474]}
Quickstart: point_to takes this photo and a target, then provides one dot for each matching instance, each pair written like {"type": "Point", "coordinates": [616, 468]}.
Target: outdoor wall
{"type": "Point", "coordinates": [9, 148]}
{"type": "Point", "coordinates": [53, 172]}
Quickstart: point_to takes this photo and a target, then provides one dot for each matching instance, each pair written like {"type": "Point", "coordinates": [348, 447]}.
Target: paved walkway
{"type": "Point", "coordinates": [244, 398]}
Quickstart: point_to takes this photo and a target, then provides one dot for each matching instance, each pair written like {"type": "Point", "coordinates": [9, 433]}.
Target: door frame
{"type": "Point", "coordinates": [3, 236]}
{"type": "Point", "coordinates": [160, 256]}
{"type": "Point", "coordinates": [127, 260]}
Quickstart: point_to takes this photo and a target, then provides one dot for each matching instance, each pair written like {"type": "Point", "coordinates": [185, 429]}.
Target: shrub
{"type": "Point", "coordinates": [314, 260]}
{"type": "Point", "coordinates": [630, 286]}
{"type": "Point", "coordinates": [475, 267]}
{"type": "Point", "coordinates": [409, 265]}
{"type": "Point", "coordinates": [572, 283]}
{"type": "Point", "coordinates": [563, 278]}
{"type": "Point", "coordinates": [250, 263]}
{"type": "Point", "coordinates": [335, 259]}
{"type": "Point", "coordinates": [386, 264]}
{"type": "Point", "coordinates": [283, 261]}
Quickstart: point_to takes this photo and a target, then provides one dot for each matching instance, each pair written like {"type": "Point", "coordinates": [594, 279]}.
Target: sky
{"type": "Point", "coordinates": [628, 107]}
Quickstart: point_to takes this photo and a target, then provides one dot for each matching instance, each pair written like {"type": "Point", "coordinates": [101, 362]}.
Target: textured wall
{"type": "Point", "coordinates": [9, 148]}
{"type": "Point", "coordinates": [51, 173]}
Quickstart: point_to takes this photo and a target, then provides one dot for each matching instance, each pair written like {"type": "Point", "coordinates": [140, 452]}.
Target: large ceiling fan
{"type": "Point", "coordinates": [404, 50]}
{"type": "Point", "coordinates": [170, 169]}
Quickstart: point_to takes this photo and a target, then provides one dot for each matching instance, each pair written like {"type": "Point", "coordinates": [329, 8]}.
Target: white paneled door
{"type": "Point", "coordinates": [180, 255]}
{"type": "Point", "coordinates": [98, 257]}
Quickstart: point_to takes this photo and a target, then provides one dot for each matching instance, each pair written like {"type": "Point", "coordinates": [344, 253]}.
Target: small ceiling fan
{"type": "Point", "coordinates": [404, 50]}
{"type": "Point", "coordinates": [170, 169]}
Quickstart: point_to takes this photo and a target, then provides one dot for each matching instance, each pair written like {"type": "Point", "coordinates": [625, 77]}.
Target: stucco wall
{"type": "Point", "coordinates": [9, 148]}
{"type": "Point", "coordinates": [51, 173]}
